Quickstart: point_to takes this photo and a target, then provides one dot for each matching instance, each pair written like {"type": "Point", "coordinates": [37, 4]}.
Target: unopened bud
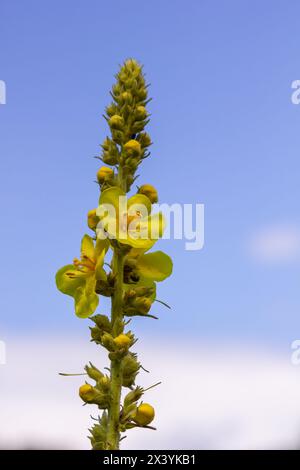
{"type": "Point", "coordinates": [144, 139]}
{"type": "Point", "coordinates": [126, 97]}
{"type": "Point", "coordinates": [87, 393]}
{"type": "Point", "coordinates": [116, 122]}
{"type": "Point", "coordinates": [92, 219]}
{"type": "Point", "coordinates": [133, 148]}
{"type": "Point", "coordinates": [143, 304]}
{"type": "Point", "coordinates": [104, 173]}
{"type": "Point", "coordinates": [93, 372]}
{"type": "Point", "coordinates": [123, 341]}
{"type": "Point", "coordinates": [149, 191]}
{"type": "Point", "coordinates": [140, 113]}
{"type": "Point", "coordinates": [133, 396]}
{"type": "Point", "coordinates": [144, 414]}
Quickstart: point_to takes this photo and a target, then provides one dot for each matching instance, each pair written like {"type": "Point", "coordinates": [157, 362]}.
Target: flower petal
{"type": "Point", "coordinates": [156, 266]}
{"type": "Point", "coordinates": [68, 285]}
{"type": "Point", "coordinates": [139, 200]}
{"type": "Point", "coordinates": [87, 247]}
{"type": "Point", "coordinates": [86, 300]}
{"type": "Point", "coordinates": [111, 196]}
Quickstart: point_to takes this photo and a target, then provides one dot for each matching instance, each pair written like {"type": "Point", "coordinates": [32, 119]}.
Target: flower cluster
{"type": "Point", "coordinates": [116, 262]}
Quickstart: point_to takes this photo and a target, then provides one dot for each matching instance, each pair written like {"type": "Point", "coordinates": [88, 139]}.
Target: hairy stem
{"type": "Point", "coordinates": [113, 436]}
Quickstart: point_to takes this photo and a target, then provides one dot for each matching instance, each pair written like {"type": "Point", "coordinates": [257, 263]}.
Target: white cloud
{"type": "Point", "coordinates": [211, 397]}
{"type": "Point", "coordinates": [276, 244]}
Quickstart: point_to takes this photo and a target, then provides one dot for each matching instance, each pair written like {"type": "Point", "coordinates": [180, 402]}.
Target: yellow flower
{"type": "Point", "coordinates": [129, 221]}
{"type": "Point", "coordinates": [144, 414]}
{"type": "Point", "coordinates": [79, 279]}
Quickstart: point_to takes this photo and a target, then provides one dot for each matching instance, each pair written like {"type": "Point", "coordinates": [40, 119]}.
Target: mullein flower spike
{"type": "Point", "coordinates": [124, 230]}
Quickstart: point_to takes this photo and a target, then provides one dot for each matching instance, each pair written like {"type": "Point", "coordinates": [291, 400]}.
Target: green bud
{"type": "Point", "coordinates": [104, 384]}
{"type": "Point", "coordinates": [99, 433]}
{"type": "Point", "coordinates": [133, 396]}
{"type": "Point", "coordinates": [93, 372]}
{"type": "Point", "coordinates": [138, 126]}
{"type": "Point", "coordinates": [143, 304]}
{"type": "Point", "coordinates": [117, 136]}
{"type": "Point", "coordinates": [144, 139]}
{"type": "Point", "coordinates": [131, 367]}
{"type": "Point", "coordinates": [107, 342]}
{"type": "Point", "coordinates": [110, 154]}
{"type": "Point", "coordinates": [111, 109]}
{"type": "Point", "coordinates": [142, 94]}
{"type": "Point", "coordinates": [96, 334]}
{"type": "Point", "coordinates": [126, 97]}
{"type": "Point", "coordinates": [102, 322]}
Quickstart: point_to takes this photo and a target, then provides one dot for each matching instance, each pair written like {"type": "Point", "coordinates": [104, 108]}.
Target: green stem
{"type": "Point", "coordinates": [113, 435]}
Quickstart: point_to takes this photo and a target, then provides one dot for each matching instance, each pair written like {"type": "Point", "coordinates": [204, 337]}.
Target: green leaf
{"type": "Point", "coordinates": [156, 266]}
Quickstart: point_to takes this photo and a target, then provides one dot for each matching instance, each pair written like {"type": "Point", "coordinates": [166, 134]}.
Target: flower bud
{"type": "Point", "coordinates": [102, 322]}
{"type": "Point", "coordinates": [140, 113]}
{"type": "Point", "coordinates": [133, 148]}
{"type": "Point", "coordinates": [92, 219]}
{"type": "Point", "coordinates": [133, 396]}
{"type": "Point", "coordinates": [149, 191]}
{"type": "Point", "coordinates": [142, 94]}
{"type": "Point", "coordinates": [144, 414]}
{"type": "Point", "coordinates": [96, 334]}
{"type": "Point", "coordinates": [87, 393]}
{"type": "Point", "coordinates": [144, 139]}
{"type": "Point", "coordinates": [108, 342]}
{"type": "Point", "coordinates": [131, 366]}
{"type": "Point", "coordinates": [90, 394]}
{"type": "Point", "coordinates": [142, 305]}
{"type": "Point", "coordinates": [126, 97]}
{"type": "Point", "coordinates": [111, 109]}
{"type": "Point", "coordinates": [93, 372]}
{"type": "Point", "coordinates": [116, 122]}
{"type": "Point", "coordinates": [138, 126]}
{"type": "Point", "coordinates": [117, 136]}
{"type": "Point", "coordinates": [104, 384]}
{"type": "Point", "coordinates": [132, 163]}
{"type": "Point", "coordinates": [123, 341]}
{"type": "Point", "coordinates": [104, 173]}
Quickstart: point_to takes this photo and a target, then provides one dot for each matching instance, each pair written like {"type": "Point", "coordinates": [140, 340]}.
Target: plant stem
{"type": "Point", "coordinates": [113, 435]}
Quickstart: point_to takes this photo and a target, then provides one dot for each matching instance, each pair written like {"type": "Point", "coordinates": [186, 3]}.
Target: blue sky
{"type": "Point", "coordinates": [225, 134]}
